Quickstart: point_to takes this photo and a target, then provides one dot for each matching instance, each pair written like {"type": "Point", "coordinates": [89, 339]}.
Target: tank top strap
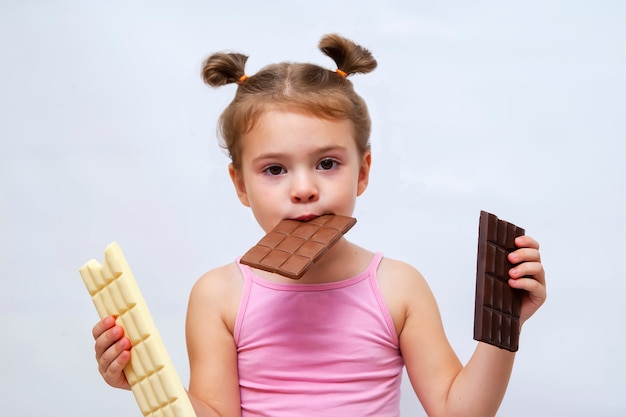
{"type": "Point", "coordinates": [374, 263]}
{"type": "Point", "coordinates": [246, 273]}
{"type": "Point", "coordinates": [373, 278]}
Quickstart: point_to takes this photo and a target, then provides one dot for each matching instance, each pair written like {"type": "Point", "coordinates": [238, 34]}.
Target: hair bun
{"type": "Point", "coordinates": [350, 57]}
{"type": "Point", "coordinates": [224, 68]}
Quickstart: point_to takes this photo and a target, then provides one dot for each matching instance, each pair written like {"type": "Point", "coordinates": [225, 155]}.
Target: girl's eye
{"type": "Point", "coordinates": [274, 170]}
{"type": "Point", "coordinates": [327, 164]}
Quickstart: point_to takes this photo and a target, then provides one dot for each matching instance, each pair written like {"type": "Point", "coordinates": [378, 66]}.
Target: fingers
{"type": "Point", "coordinates": [524, 255]}
{"type": "Point", "coordinates": [102, 326]}
{"type": "Point", "coordinates": [528, 268]}
{"type": "Point", "coordinates": [113, 362]}
{"type": "Point", "coordinates": [527, 260]}
{"type": "Point", "coordinates": [528, 274]}
{"type": "Point", "coordinates": [528, 250]}
{"type": "Point", "coordinates": [531, 285]}
{"type": "Point", "coordinates": [526, 242]}
{"type": "Point", "coordinates": [112, 352]}
{"type": "Point", "coordinates": [106, 333]}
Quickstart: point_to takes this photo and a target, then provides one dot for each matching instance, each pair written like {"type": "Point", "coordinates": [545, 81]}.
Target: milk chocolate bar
{"type": "Point", "coordinates": [151, 374]}
{"type": "Point", "coordinates": [497, 305]}
{"type": "Point", "coordinates": [293, 246]}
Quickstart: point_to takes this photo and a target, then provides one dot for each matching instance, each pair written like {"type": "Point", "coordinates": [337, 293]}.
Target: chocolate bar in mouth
{"type": "Point", "coordinates": [293, 246]}
{"type": "Point", "coordinates": [497, 305]}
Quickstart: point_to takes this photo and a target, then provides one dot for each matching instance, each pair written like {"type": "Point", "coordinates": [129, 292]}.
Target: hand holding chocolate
{"type": "Point", "coordinates": [497, 305]}
{"type": "Point", "coordinates": [151, 374]}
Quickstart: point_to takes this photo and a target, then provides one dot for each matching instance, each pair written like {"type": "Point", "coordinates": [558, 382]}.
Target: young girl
{"type": "Point", "coordinates": [335, 342]}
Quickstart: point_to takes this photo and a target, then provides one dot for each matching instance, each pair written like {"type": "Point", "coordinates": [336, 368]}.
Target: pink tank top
{"type": "Point", "coordinates": [317, 349]}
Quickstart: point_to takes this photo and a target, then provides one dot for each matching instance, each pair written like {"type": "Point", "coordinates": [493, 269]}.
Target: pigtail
{"type": "Point", "coordinates": [224, 68]}
{"type": "Point", "coordinates": [302, 87]}
{"type": "Point", "coordinates": [349, 57]}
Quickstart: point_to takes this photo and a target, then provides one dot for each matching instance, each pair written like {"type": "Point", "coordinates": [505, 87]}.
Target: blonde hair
{"type": "Point", "coordinates": [304, 87]}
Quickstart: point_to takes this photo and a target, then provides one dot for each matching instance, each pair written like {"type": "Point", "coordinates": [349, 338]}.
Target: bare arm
{"type": "Point", "coordinates": [443, 385]}
{"type": "Point", "coordinates": [214, 382]}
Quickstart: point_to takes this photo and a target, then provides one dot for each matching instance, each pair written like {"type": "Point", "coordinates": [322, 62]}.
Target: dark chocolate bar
{"type": "Point", "coordinates": [497, 305]}
{"type": "Point", "coordinates": [293, 246]}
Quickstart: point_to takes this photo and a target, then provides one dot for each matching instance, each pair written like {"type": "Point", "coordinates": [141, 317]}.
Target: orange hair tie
{"type": "Point", "coordinates": [243, 78]}
{"type": "Point", "coordinates": [342, 73]}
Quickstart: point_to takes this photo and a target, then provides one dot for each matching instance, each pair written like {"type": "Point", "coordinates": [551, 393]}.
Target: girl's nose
{"type": "Point", "coordinates": [304, 190]}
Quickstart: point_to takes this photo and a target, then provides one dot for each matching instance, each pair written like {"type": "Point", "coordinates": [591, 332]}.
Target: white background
{"type": "Point", "coordinates": [107, 133]}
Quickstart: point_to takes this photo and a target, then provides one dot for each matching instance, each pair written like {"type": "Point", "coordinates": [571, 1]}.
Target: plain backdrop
{"type": "Point", "coordinates": [108, 134]}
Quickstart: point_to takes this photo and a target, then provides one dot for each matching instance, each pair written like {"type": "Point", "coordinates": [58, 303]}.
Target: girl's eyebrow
{"type": "Point", "coordinates": [332, 148]}
{"type": "Point", "coordinates": [318, 151]}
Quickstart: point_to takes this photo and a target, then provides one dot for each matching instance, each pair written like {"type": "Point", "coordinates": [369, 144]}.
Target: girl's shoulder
{"type": "Point", "coordinates": [403, 287]}
{"type": "Point", "coordinates": [220, 280]}
{"type": "Point", "coordinates": [398, 273]}
{"type": "Point", "coordinates": [218, 291]}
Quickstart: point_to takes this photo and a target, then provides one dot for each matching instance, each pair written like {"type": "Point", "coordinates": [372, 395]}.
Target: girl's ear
{"type": "Point", "coordinates": [240, 186]}
{"type": "Point", "coordinates": [364, 173]}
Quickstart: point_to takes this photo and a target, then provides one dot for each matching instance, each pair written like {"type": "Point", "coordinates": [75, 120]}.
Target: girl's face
{"type": "Point", "coordinates": [297, 166]}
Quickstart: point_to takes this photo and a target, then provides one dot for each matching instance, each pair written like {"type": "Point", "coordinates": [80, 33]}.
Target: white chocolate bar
{"type": "Point", "coordinates": [151, 374]}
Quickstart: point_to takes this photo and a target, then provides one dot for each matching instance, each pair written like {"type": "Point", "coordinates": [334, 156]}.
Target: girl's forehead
{"type": "Point", "coordinates": [284, 124]}
{"type": "Point", "coordinates": [285, 132]}
{"type": "Point", "coordinates": [280, 118]}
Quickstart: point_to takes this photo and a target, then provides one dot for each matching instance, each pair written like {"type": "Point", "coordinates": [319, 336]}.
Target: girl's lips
{"type": "Point", "coordinates": [306, 217]}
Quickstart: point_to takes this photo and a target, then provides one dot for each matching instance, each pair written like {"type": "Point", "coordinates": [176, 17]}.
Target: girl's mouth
{"type": "Point", "coordinates": [306, 217]}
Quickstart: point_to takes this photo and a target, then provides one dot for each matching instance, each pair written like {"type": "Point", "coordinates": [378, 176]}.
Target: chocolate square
{"type": "Point", "coordinates": [293, 246]}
